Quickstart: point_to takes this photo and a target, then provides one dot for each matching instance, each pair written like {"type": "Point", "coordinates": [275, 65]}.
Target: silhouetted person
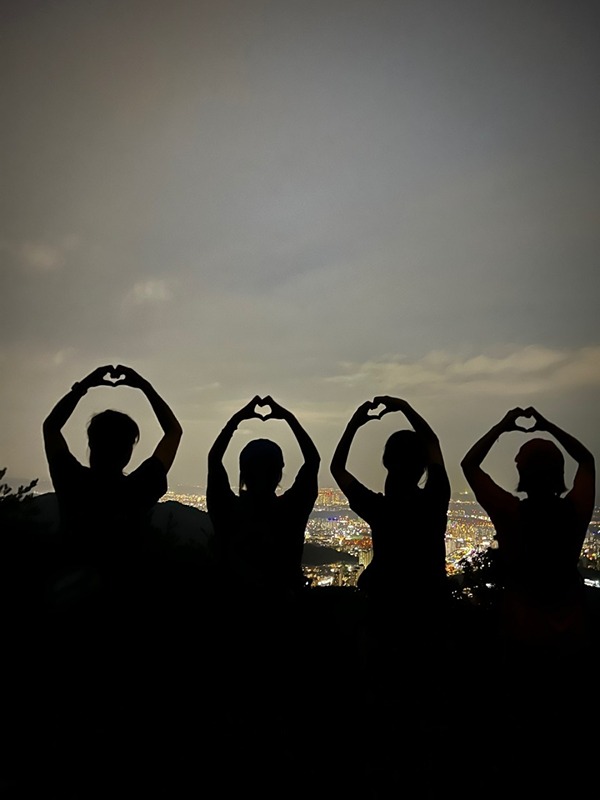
{"type": "Point", "coordinates": [260, 534]}
{"type": "Point", "coordinates": [408, 522]}
{"type": "Point", "coordinates": [539, 537]}
{"type": "Point", "coordinates": [102, 508]}
{"type": "Point", "coordinates": [259, 538]}
{"type": "Point", "coordinates": [543, 623]}
{"type": "Point", "coordinates": [407, 595]}
{"type": "Point", "coordinates": [405, 583]}
{"type": "Point", "coordinates": [107, 671]}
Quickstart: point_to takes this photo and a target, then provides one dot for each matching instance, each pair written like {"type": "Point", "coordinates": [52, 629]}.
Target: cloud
{"type": "Point", "coordinates": [153, 291]}
{"type": "Point", "coordinates": [42, 256]}
{"type": "Point", "coordinates": [527, 370]}
{"type": "Point", "coordinates": [63, 356]}
{"type": "Point", "coordinates": [206, 387]}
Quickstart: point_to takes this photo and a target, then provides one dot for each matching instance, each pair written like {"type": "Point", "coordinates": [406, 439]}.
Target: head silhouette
{"type": "Point", "coordinates": [112, 436]}
{"type": "Point", "coordinates": [261, 466]}
{"type": "Point", "coordinates": [405, 457]}
{"type": "Point", "coordinates": [541, 468]}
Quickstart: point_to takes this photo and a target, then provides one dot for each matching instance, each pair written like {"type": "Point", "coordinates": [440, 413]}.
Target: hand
{"type": "Point", "coordinates": [277, 411]}
{"type": "Point", "coordinates": [249, 410]}
{"type": "Point", "coordinates": [98, 378]}
{"type": "Point", "coordinates": [390, 404]}
{"type": "Point", "coordinates": [540, 424]}
{"type": "Point", "coordinates": [361, 416]}
{"type": "Point", "coordinates": [509, 421]}
{"type": "Point", "coordinates": [126, 376]}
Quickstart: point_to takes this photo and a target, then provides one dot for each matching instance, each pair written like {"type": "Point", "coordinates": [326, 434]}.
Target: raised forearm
{"type": "Point", "coordinates": [342, 451]}
{"type": "Point", "coordinates": [61, 412]}
{"type": "Point", "coordinates": [425, 432]}
{"type": "Point", "coordinates": [420, 425]}
{"type": "Point", "coordinates": [477, 453]}
{"type": "Point", "coordinates": [165, 416]}
{"type": "Point", "coordinates": [482, 447]}
{"type": "Point", "coordinates": [575, 449]}
{"type": "Point", "coordinates": [217, 451]}
{"type": "Point", "coordinates": [306, 444]}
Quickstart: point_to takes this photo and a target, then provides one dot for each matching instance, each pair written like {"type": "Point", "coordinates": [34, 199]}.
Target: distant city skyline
{"type": "Point", "coordinates": [319, 201]}
{"type": "Point", "coordinates": [338, 543]}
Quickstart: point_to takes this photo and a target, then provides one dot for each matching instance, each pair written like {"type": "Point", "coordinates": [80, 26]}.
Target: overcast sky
{"type": "Point", "coordinates": [323, 201]}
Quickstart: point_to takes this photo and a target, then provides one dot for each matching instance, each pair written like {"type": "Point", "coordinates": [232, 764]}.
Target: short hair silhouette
{"type": "Point", "coordinates": [261, 465]}
{"type": "Point", "coordinates": [112, 435]}
{"type": "Point", "coordinates": [541, 466]}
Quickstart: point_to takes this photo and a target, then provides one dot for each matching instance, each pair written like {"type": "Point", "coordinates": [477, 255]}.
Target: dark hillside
{"type": "Point", "coordinates": [144, 678]}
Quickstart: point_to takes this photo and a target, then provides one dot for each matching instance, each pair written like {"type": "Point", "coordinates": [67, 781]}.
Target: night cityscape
{"type": "Point", "coordinates": [333, 524]}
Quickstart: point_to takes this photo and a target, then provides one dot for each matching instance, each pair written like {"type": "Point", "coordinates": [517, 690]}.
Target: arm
{"type": "Point", "coordinates": [488, 493]}
{"type": "Point", "coordinates": [420, 425]}
{"type": "Point", "coordinates": [217, 451]}
{"type": "Point", "coordinates": [338, 467]}
{"type": "Point", "coordinates": [54, 441]}
{"type": "Point", "coordinates": [312, 459]}
{"type": "Point", "coordinates": [216, 470]}
{"type": "Point", "coordinates": [584, 483]}
{"type": "Point", "coordinates": [166, 450]}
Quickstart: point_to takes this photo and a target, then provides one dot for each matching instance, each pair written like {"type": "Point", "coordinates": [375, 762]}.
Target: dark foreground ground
{"type": "Point", "coordinates": [211, 695]}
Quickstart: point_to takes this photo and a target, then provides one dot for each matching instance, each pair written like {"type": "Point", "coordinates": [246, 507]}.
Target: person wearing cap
{"type": "Point", "coordinates": [539, 536]}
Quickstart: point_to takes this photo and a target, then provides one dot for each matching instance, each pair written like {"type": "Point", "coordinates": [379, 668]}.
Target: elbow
{"type": "Point", "coordinates": [471, 471]}
{"type": "Point", "coordinates": [313, 463]}
{"type": "Point", "coordinates": [214, 459]}
{"type": "Point", "coordinates": [589, 465]}
{"type": "Point", "coordinates": [589, 461]}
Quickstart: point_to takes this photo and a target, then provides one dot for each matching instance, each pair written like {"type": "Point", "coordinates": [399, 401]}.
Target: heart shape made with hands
{"type": "Point", "coordinates": [526, 423]}
{"type": "Point", "coordinates": [114, 376]}
{"type": "Point", "coordinates": [263, 403]}
{"type": "Point", "coordinates": [377, 411]}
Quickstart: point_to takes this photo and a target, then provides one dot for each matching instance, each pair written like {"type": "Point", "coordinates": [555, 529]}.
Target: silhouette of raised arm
{"type": "Point", "coordinates": [361, 416]}
{"type": "Point", "coordinates": [583, 491]}
{"type": "Point", "coordinates": [166, 450]}
{"type": "Point", "coordinates": [419, 424]}
{"type": "Point", "coordinates": [216, 470]}
{"type": "Point", "coordinates": [487, 491]}
{"type": "Point", "coordinates": [311, 456]}
{"type": "Point", "coordinates": [54, 441]}
{"type": "Point", "coordinates": [339, 460]}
